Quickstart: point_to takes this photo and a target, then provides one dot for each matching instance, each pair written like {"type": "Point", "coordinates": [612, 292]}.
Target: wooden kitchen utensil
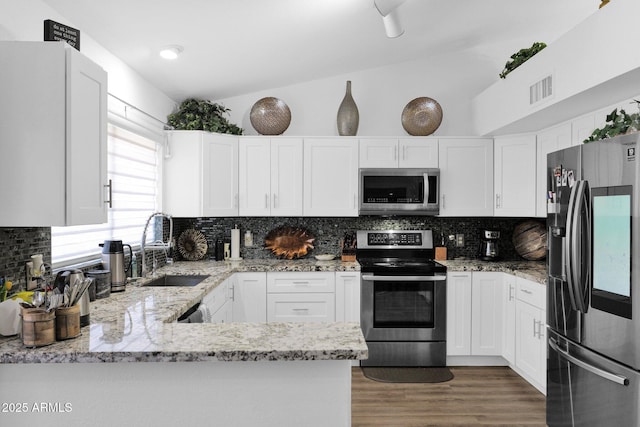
{"type": "Point", "coordinates": [38, 327]}
{"type": "Point", "coordinates": [67, 322]}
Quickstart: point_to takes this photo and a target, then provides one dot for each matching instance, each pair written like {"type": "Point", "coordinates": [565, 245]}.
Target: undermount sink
{"type": "Point", "coordinates": [178, 280]}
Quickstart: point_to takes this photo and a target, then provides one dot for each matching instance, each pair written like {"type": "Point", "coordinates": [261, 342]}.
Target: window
{"type": "Point", "coordinates": [132, 165]}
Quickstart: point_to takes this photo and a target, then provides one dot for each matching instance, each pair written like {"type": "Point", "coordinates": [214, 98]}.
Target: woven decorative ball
{"type": "Point", "coordinates": [270, 116]}
{"type": "Point", "coordinates": [530, 240]}
{"type": "Point", "coordinates": [422, 116]}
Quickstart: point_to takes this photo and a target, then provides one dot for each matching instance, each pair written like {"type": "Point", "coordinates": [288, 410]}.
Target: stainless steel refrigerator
{"type": "Point", "coordinates": [593, 287]}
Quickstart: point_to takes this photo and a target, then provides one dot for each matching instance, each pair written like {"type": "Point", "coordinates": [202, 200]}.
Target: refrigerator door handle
{"type": "Point", "coordinates": [578, 284]}
{"type": "Point", "coordinates": [618, 379]}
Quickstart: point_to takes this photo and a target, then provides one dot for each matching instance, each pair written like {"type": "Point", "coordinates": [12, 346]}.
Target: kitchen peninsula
{"type": "Point", "coordinates": [223, 374]}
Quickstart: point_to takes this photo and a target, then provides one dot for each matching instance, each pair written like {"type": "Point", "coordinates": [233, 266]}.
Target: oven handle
{"type": "Point", "coordinates": [375, 278]}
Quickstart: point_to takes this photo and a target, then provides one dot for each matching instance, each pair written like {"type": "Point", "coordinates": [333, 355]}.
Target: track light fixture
{"type": "Point", "coordinates": [389, 11]}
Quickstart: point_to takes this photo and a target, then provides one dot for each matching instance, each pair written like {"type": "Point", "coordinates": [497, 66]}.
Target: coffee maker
{"type": "Point", "coordinates": [488, 250]}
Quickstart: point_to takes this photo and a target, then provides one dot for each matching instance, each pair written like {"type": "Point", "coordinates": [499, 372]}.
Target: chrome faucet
{"type": "Point", "coordinates": [156, 244]}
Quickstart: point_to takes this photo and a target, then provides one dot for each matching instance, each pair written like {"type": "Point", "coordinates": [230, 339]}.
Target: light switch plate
{"type": "Point", "coordinates": [459, 240]}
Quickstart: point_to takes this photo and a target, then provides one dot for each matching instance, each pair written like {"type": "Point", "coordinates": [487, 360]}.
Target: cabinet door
{"type": "Point", "coordinates": [458, 314]}
{"type": "Point", "coordinates": [486, 314]}
{"type": "Point", "coordinates": [86, 141]}
{"type": "Point", "coordinates": [220, 174]}
{"type": "Point", "coordinates": [509, 319]}
{"type": "Point", "coordinates": [531, 342]}
{"type": "Point", "coordinates": [378, 153]}
{"type": "Point", "coordinates": [302, 307]}
{"type": "Point", "coordinates": [418, 153]}
{"type": "Point", "coordinates": [515, 175]}
{"type": "Point", "coordinates": [347, 296]}
{"type": "Point", "coordinates": [182, 175]}
{"type": "Point", "coordinates": [548, 141]}
{"type": "Point", "coordinates": [330, 177]}
{"type": "Point", "coordinates": [286, 177]}
{"type": "Point", "coordinates": [254, 178]}
{"type": "Point", "coordinates": [224, 314]}
{"type": "Point", "coordinates": [581, 128]}
{"type": "Point", "coordinates": [249, 297]}
{"type": "Point", "coordinates": [466, 177]}
{"type": "Point", "coordinates": [301, 282]}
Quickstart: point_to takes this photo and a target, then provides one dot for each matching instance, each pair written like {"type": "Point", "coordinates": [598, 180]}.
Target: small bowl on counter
{"type": "Point", "coordinates": [325, 257]}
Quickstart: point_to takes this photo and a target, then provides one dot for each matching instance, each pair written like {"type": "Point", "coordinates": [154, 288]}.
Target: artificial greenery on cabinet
{"type": "Point", "coordinates": [618, 123]}
{"type": "Point", "coordinates": [520, 57]}
{"type": "Point", "coordinates": [197, 114]}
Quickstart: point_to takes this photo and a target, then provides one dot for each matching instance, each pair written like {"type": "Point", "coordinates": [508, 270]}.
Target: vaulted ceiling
{"type": "Point", "coordinates": [233, 47]}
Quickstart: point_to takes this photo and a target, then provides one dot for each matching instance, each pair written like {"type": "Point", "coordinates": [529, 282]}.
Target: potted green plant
{"type": "Point", "coordinates": [196, 114]}
{"type": "Point", "coordinates": [520, 57]}
{"type": "Point", "coordinates": [617, 123]}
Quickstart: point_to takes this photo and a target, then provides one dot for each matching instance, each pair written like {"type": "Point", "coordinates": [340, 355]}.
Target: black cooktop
{"type": "Point", "coordinates": [400, 266]}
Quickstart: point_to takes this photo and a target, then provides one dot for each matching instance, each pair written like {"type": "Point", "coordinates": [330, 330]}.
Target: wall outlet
{"type": "Point", "coordinates": [459, 240]}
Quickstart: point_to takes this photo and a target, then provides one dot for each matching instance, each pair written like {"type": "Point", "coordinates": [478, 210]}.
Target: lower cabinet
{"type": "Point", "coordinates": [348, 296]}
{"type": "Point", "coordinates": [530, 333]}
{"type": "Point", "coordinates": [509, 316]}
{"type": "Point", "coordinates": [249, 297]}
{"type": "Point", "coordinates": [219, 303]}
{"type": "Point", "coordinates": [474, 314]}
{"type": "Point", "coordinates": [301, 297]}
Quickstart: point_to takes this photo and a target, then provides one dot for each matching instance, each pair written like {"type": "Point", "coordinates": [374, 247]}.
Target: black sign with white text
{"type": "Point", "coordinates": [54, 31]}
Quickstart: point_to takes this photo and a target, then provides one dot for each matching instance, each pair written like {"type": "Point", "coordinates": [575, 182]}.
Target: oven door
{"type": "Point", "coordinates": [403, 308]}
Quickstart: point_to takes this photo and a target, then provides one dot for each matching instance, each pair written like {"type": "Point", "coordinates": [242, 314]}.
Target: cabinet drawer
{"type": "Point", "coordinates": [300, 282]}
{"type": "Point", "coordinates": [217, 297]}
{"type": "Point", "coordinates": [301, 308]}
{"type": "Point", "coordinates": [531, 292]}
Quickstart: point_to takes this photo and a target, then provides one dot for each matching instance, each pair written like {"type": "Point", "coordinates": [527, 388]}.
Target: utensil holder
{"type": "Point", "coordinates": [38, 327]}
{"type": "Point", "coordinates": [68, 322]}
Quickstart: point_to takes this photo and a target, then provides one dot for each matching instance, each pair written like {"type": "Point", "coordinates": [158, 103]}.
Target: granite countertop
{"type": "Point", "coordinates": [137, 325]}
{"type": "Point", "coordinates": [535, 271]}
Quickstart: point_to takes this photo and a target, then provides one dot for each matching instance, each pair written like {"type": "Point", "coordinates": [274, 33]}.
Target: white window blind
{"type": "Point", "coordinates": [132, 165]}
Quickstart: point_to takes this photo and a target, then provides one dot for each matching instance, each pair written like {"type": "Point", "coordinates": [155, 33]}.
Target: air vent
{"type": "Point", "coordinates": [541, 90]}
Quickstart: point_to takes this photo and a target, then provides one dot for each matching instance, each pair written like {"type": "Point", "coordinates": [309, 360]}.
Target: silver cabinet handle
{"type": "Point", "coordinates": [497, 201]}
{"type": "Point", "coordinates": [618, 379]}
{"type": "Point", "coordinates": [301, 283]}
{"type": "Point", "coordinates": [527, 291]}
{"type": "Point", "coordinates": [266, 201]}
{"type": "Point", "coordinates": [443, 201]}
{"type": "Point", "coordinates": [109, 201]}
{"type": "Point", "coordinates": [511, 293]}
{"type": "Point", "coordinates": [274, 201]}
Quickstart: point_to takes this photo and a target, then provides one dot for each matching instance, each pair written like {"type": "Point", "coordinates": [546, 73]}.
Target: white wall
{"type": "Point", "coordinates": [380, 94]}
{"type": "Point", "coordinates": [23, 21]}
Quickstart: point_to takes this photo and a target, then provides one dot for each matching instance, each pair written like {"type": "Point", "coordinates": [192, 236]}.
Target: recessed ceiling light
{"type": "Point", "coordinates": [171, 52]}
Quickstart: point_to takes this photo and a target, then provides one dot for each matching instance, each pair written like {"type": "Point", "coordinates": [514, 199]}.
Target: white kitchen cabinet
{"type": "Point", "coordinates": [270, 176]}
{"type": "Point", "coordinates": [54, 136]}
{"type": "Point", "coordinates": [486, 314]}
{"type": "Point", "coordinates": [330, 177]}
{"type": "Point", "coordinates": [249, 297]}
{"type": "Point", "coordinates": [548, 141]}
{"type": "Point", "coordinates": [509, 318]}
{"type": "Point", "coordinates": [458, 314]}
{"type": "Point", "coordinates": [394, 153]}
{"type": "Point", "coordinates": [531, 342]}
{"type": "Point", "coordinates": [301, 297]}
{"type": "Point", "coordinates": [201, 174]}
{"type": "Point", "coordinates": [219, 303]}
{"type": "Point", "coordinates": [466, 176]}
{"type": "Point", "coordinates": [515, 175]}
{"type": "Point", "coordinates": [347, 296]}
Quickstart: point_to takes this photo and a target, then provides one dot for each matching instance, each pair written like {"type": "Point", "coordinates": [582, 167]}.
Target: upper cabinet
{"type": "Point", "coordinates": [466, 176]}
{"type": "Point", "coordinates": [270, 176]}
{"type": "Point", "coordinates": [566, 79]}
{"type": "Point", "coordinates": [394, 153]}
{"type": "Point", "coordinates": [53, 136]}
{"type": "Point", "coordinates": [515, 175]}
{"type": "Point", "coordinates": [200, 174]}
{"type": "Point", "coordinates": [330, 177]}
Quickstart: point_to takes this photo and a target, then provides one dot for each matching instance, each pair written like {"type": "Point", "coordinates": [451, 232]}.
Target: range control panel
{"type": "Point", "coordinates": [407, 238]}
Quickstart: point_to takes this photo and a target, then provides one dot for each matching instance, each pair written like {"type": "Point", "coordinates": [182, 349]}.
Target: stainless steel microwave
{"type": "Point", "coordinates": [403, 191]}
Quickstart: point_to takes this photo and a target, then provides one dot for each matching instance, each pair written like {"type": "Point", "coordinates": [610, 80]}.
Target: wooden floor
{"type": "Point", "coordinates": [494, 396]}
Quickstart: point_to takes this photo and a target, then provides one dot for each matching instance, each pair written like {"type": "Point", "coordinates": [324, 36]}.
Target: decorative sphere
{"type": "Point", "coordinates": [530, 240]}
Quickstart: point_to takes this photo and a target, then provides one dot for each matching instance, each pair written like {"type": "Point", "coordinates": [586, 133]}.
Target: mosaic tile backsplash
{"type": "Point", "coordinates": [329, 231]}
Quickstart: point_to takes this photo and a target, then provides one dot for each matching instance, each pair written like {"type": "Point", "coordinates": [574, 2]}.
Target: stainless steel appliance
{"type": "Point", "coordinates": [488, 250]}
{"type": "Point", "coordinates": [403, 298]}
{"type": "Point", "coordinates": [593, 317]}
{"type": "Point", "coordinates": [404, 191]}
{"type": "Point", "coordinates": [113, 260]}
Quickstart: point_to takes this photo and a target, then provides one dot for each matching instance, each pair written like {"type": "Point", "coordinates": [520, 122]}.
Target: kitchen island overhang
{"type": "Point", "coordinates": [240, 374]}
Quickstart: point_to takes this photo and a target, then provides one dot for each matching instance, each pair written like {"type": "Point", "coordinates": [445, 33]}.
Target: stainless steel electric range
{"type": "Point", "coordinates": [403, 298]}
